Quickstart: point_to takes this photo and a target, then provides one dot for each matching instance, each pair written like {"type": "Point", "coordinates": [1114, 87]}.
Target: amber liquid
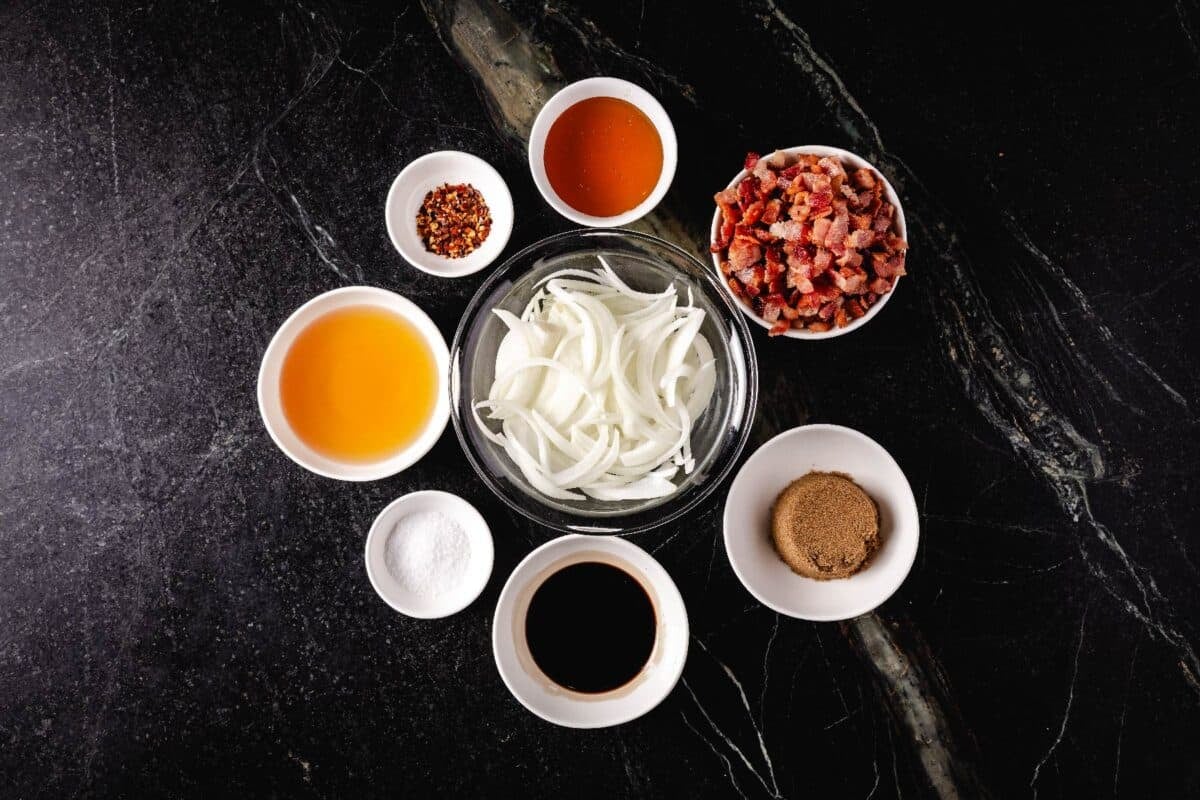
{"type": "Point", "coordinates": [591, 627]}
{"type": "Point", "coordinates": [359, 384]}
{"type": "Point", "coordinates": [603, 156]}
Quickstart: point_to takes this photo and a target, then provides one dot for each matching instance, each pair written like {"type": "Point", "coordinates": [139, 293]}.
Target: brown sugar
{"type": "Point", "coordinates": [825, 526]}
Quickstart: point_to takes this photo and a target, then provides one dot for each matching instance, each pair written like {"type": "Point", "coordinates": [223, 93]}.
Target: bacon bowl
{"type": "Point", "coordinates": [850, 161]}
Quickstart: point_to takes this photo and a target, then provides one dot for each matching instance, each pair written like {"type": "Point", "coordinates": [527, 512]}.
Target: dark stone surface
{"type": "Point", "coordinates": [184, 612]}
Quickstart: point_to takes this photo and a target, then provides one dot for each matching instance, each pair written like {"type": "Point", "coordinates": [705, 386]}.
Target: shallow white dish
{"type": "Point", "coordinates": [854, 162]}
{"type": "Point", "coordinates": [479, 568]}
{"type": "Point", "coordinates": [602, 87]}
{"type": "Point", "coordinates": [424, 175]}
{"type": "Point", "coordinates": [561, 706]}
{"type": "Point", "coordinates": [791, 454]}
{"type": "Point", "coordinates": [270, 404]}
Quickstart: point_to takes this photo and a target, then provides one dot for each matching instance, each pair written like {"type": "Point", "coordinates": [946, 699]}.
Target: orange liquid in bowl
{"type": "Point", "coordinates": [603, 156]}
{"type": "Point", "coordinates": [359, 384]}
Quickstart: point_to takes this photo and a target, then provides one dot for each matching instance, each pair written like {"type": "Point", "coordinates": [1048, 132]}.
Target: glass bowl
{"type": "Point", "coordinates": [648, 264]}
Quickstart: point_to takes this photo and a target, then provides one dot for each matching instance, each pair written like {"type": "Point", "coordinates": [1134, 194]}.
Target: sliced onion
{"type": "Point", "coordinates": [597, 387]}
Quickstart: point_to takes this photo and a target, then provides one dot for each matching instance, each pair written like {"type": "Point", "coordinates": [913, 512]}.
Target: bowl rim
{"type": "Point", "coordinates": [285, 335]}
{"type": "Point", "coordinates": [640, 558]}
{"type": "Point", "coordinates": [499, 198]}
{"type": "Point", "coordinates": [585, 89]}
{"type": "Point", "coordinates": [857, 162]}
{"type": "Point", "coordinates": [534, 509]}
{"type": "Point", "coordinates": [857, 610]}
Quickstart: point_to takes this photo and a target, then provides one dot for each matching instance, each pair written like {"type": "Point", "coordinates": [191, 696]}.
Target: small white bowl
{"type": "Point", "coordinates": [602, 87]}
{"type": "Point", "coordinates": [550, 701]}
{"type": "Point", "coordinates": [791, 454]}
{"type": "Point", "coordinates": [479, 568]}
{"type": "Point", "coordinates": [270, 404]}
{"type": "Point", "coordinates": [853, 162]}
{"type": "Point", "coordinates": [424, 175]}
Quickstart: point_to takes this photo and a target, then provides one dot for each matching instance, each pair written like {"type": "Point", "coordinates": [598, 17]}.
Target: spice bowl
{"type": "Point", "coordinates": [553, 702]}
{"type": "Point", "coordinates": [469, 581]}
{"type": "Point", "coordinates": [426, 174]}
{"type": "Point", "coordinates": [747, 522]}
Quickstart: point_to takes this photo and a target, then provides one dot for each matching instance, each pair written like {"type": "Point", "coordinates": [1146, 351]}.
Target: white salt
{"type": "Point", "coordinates": [427, 553]}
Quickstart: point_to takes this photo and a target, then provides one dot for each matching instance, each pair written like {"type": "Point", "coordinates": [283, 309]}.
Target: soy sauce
{"type": "Point", "coordinates": [590, 627]}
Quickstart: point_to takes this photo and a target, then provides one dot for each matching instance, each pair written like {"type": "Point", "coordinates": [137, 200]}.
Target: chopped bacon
{"type": "Point", "coordinates": [835, 239]}
{"type": "Point", "coordinates": [863, 178]}
{"type": "Point", "coordinates": [860, 240]}
{"type": "Point", "coordinates": [806, 243]}
{"type": "Point", "coordinates": [747, 191]}
{"type": "Point", "coordinates": [822, 260]}
{"type": "Point", "coordinates": [743, 253]}
{"type": "Point", "coordinates": [850, 258]}
{"type": "Point", "coordinates": [881, 286]}
{"type": "Point", "coordinates": [754, 213]}
{"type": "Point", "coordinates": [851, 279]}
{"type": "Point", "coordinates": [831, 167]}
{"type": "Point", "coordinates": [791, 230]}
{"type": "Point", "coordinates": [771, 211]}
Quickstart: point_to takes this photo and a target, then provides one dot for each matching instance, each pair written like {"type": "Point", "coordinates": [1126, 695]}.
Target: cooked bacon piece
{"type": "Point", "coordinates": [860, 240]}
{"type": "Point", "coordinates": [815, 182]}
{"type": "Point", "coordinates": [883, 218]}
{"type": "Point", "coordinates": [791, 230]}
{"type": "Point", "coordinates": [807, 244]}
{"type": "Point", "coordinates": [863, 178]}
{"type": "Point", "coordinates": [831, 167]}
{"type": "Point", "coordinates": [772, 211]}
{"type": "Point", "coordinates": [850, 258]}
{"type": "Point", "coordinates": [822, 260]}
{"type": "Point", "coordinates": [851, 279]}
{"type": "Point", "coordinates": [820, 203]}
{"type": "Point", "coordinates": [888, 266]}
{"type": "Point", "coordinates": [726, 197]}
{"type": "Point", "coordinates": [766, 178]}
{"type": "Point", "coordinates": [835, 239]}
{"type": "Point", "coordinates": [743, 253]}
{"type": "Point", "coordinates": [820, 230]}
{"type": "Point", "coordinates": [772, 306]}
{"type": "Point", "coordinates": [754, 212]}
{"type": "Point", "coordinates": [747, 191]}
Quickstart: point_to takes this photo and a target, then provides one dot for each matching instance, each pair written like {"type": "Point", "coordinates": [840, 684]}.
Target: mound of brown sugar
{"type": "Point", "coordinates": [825, 526]}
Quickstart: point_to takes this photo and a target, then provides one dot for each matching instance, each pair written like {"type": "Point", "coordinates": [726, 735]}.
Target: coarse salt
{"type": "Point", "coordinates": [427, 553]}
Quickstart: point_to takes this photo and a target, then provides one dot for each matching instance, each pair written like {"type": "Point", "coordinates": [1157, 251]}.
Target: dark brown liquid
{"type": "Point", "coordinates": [590, 627]}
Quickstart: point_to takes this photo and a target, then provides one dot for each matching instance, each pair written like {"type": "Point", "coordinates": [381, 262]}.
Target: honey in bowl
{"type": "Point", "coordinates": [603, 156]}
{"type": "Point", "coordinates": [359, 384]}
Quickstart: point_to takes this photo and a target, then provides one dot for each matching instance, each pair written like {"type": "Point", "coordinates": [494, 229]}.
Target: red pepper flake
{"type": "Point", "coordinates": [453, 220]}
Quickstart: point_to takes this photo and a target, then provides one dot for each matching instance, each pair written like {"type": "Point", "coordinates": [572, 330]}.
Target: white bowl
{"type": "Point", "coordinates": [270, 404]}
{"type": "Point", "coordinates": [853, 162]}
{"type": "Point", "coordinates": [791, 454]}
{"type": "Point", "coordinates": [424, 175]}
{"type": "Point", "coordinates": [551, 701]}
{"type": "Point", "coordinates": [479, 568]}
{"type": "Point", "coordinates": [602, 87]}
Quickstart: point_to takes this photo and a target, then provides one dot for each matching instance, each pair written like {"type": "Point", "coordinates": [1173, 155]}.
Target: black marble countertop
{"type": "Point", "coordinates": [185, 613]}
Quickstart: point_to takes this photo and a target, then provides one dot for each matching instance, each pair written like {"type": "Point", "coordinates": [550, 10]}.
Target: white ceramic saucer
{"type": "Point", "coordinates": [791, 454]}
